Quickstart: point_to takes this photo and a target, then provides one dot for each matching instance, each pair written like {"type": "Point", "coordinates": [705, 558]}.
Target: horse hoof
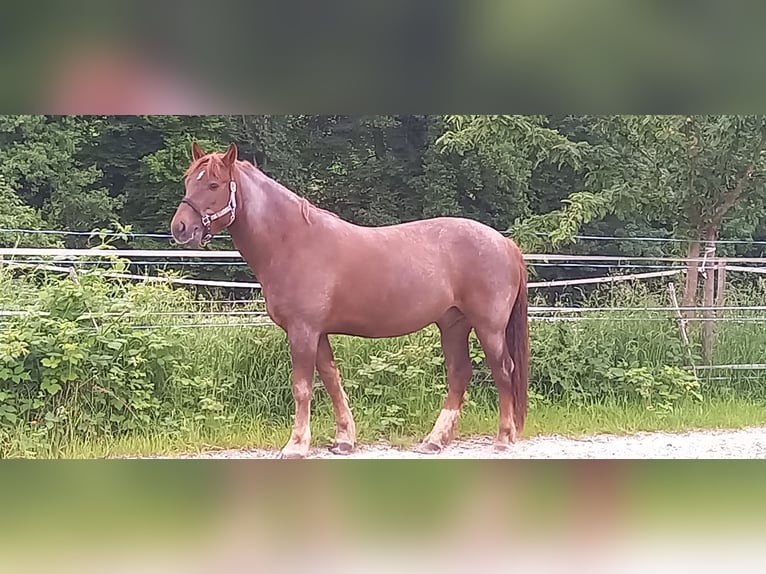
{"type": "Point", "coordinates": [427, 447]}
{"type": "Point", "coordinates": [342, 448]}
{"type": "Point", "coordinates": [502, 447]}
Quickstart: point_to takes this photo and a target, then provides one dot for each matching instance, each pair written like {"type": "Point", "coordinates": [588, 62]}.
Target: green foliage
{"type": "Point", "coordinates": [689, 173]}
{"type": "Point", "coordinates": [87, 366]}
{"type": "Point", "coordinates": [105, 359]}
{"type": "Point", "coordinates": [400, 385]}
{"type": "Point", "coordinates": [552, 229]}
{"type": "Point", "coordinates": [15, 214]}
{"type": "Point", "coordinates": [682, 175]}
{"type": "Point", "coordinates": [661, 389]}
{"type": "Point", "coordinates": [513, 151]}
{"type": "Point", "coordinates": [38, 161]}
{"type": "Point", "coordinates": [79, 364]}
{"type": "Point", "coordinates": [542, 179]}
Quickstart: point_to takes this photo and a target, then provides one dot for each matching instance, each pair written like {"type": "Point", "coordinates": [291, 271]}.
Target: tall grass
{"type": "Point", "coordinates": [149, 360]}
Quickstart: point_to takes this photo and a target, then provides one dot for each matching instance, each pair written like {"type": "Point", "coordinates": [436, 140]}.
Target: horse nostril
{"type": "Point", "coordinates": [180, 227]}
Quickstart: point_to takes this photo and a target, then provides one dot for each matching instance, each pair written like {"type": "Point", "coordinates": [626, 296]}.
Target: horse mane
{"type": "Point", "coordinates": [314, 207]}
{"type": "Point", "coordinates": [307, 207]}
{"type": "Point", "coordinates": [215, 167]}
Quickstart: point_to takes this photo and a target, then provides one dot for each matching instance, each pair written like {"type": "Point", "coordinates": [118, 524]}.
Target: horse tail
{"type": "Point", "coordinates": [517, 339]}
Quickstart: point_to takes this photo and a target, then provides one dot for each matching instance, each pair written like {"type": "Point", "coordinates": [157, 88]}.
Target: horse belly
{"type": "Point", "coordinates": [390, 312]}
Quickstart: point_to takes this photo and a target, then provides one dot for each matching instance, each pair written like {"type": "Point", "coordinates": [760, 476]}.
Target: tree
{"type": "Point", "coordinates": [700, 174]}
{"type": "Point", "coordinates": [38, 162]}
{"type": "Point", "coordinates": [543, 179]}
{"type": "Point", "coordinates": [523, 154]}
{"type": "Point", "coordinates": [688, 176]}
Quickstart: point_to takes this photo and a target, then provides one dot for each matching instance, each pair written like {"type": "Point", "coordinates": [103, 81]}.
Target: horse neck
{"type": "Point", "coordinates": [268, 219]}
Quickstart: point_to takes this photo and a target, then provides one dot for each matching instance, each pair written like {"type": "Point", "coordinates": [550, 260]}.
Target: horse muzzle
{"type": "Point", "coordinates": [187, 233]}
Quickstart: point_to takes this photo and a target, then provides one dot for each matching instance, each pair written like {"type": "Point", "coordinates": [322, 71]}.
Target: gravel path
{"type": "Point", "coordinates": [746, 443]}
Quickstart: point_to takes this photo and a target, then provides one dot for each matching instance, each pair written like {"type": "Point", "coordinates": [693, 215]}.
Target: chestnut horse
{"type": "Point", "coordinates": [322, 275]}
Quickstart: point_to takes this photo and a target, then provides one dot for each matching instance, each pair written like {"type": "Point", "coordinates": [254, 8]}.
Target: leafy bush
{"type": "Point", "coordinates": [81, 363]}
{"type": "Point", "coordinates": [661, 389]}
{"type": "Point", "coordinates": [103, 357]}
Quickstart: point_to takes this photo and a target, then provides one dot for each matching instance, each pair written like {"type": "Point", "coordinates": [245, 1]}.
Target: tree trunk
{"type": "Point", "coordinates": [708, 315]}
{"type": "Point", "coordinates": [690, 289]}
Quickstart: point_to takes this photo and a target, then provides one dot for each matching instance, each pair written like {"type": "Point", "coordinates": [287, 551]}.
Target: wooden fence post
{"type": "Point", "coordinates": [682, 326]}
{"type": "Point", "coordinates": [720, 284]}
{"type": "Point", "coordinates": [708, 314]}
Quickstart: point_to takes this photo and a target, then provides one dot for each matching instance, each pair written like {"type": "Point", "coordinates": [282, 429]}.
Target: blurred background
{"type": "Point", "coordinates": [341, 56]}
{"type": "Point", "coordinates": [351, 57]}
{"type": "Point", "coordinates": [239, 516]}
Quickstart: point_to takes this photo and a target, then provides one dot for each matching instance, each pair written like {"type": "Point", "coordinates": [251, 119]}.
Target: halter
{"type": "Point", "coordinates": [208, 219]}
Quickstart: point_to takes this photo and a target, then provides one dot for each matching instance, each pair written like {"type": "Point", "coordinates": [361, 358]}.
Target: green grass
{"type": "Point", "coordinates": [543, 420]}
{"type": "Point", "coordinates": [183, 386]}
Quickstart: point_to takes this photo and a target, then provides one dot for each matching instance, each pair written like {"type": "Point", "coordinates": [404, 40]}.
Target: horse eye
{"type": "Point", "coordinates": [213, 185]}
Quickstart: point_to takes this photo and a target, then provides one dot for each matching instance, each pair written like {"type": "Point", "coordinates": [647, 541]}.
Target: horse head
{"type": "Point", "coordinates": [209, 204]}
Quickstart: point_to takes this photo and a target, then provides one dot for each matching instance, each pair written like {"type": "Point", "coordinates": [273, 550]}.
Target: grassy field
{"type": "Point", "coordinates": [108, 368]}
{"type": "Point", "coordinates": [545, 420]}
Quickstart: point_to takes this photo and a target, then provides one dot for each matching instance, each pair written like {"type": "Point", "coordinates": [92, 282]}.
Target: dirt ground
{"type": "Point", "coordinates": [747, 443]}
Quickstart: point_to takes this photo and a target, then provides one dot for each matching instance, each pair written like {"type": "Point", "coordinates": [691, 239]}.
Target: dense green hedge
{"type": "Point", "coordinates": [99, 357]}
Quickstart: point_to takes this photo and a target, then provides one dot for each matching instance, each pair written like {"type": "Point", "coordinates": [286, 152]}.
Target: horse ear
{"type": "Point", "coordinates": [197, 151]}
{"type": "Point", "coordinates": [230, 156]}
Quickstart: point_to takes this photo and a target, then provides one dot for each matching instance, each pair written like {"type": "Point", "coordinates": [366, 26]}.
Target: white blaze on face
{"type": "Point", "coordinates": [201, 174]}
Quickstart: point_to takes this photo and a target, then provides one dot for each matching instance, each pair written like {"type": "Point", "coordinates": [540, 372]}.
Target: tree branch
{"type": "Point", "coordinates": [731, 197]}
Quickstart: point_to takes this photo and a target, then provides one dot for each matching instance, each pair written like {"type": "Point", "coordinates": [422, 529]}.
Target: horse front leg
{"type": "Point", "coordinates": [303, 343]}
{"type": "Point", "coordinates": [345, 429]}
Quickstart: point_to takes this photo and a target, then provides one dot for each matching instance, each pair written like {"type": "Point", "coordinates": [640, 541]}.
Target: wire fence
{"type": "Point", "coordinates": [98, 252]}
{"type": "Point", "coordinates": [166, 262]}
{"type": "Point", "coordinates": [72, 261]}
{"type": "Point", "coordinates": [68, 261]}
{"type": "Point", "coordinates": [165, 235]}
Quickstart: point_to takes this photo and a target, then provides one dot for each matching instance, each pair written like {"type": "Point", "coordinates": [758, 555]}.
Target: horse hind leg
{"type": "Point", "coordinates": [345, 429]}
{"type": "Point", "coordinates": [493, 341]}
{"type": "Point", "coordinates": [454, 343]}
